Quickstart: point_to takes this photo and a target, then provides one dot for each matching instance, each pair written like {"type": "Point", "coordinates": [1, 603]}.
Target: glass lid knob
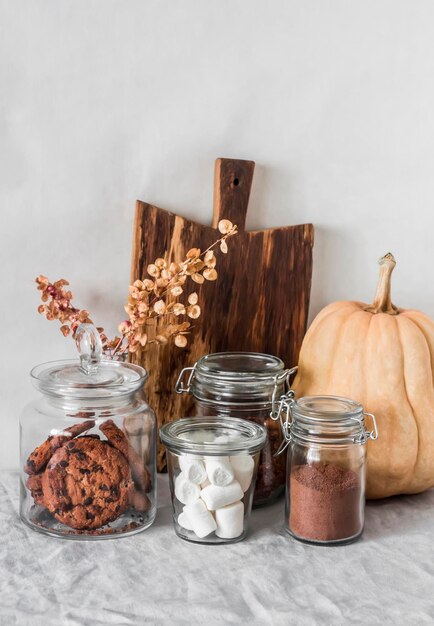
{"type": "Point", "coordinates": [89, 347]}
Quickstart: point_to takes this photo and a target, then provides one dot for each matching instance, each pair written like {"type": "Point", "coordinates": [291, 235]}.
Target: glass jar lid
{"type": "Point", "coordinates": [91, 376]}
{"type": "Point", "coordinates": [213, 436]}
{"type": "Point", "coordinates": [241, 367]}
{"type": "Point", "coordinates": [329, 419]}
{"type": "Point", "coordinates": [232, 377]}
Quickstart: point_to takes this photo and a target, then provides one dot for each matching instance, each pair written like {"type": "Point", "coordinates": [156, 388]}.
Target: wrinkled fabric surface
{"type": "Point", "coordinates": [154, 577]}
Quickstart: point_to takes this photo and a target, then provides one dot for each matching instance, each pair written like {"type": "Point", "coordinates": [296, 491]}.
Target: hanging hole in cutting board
{"type": "Point", "coordinates": [236, 182]}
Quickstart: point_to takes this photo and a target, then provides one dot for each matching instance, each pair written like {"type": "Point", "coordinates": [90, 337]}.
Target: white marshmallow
{"type": "Point", "coordinates": [216, 497]}
{"type": "Point", "coordinates": [219, 470]}
{"type": "Point", "coordinates": [193, 469]}
{"type": "Point", "coordinates": [243, 465]}
{"type": "Point", "coordinates": [222, 439]}
{"type": "Point", "coordinates": [230, 521]}
{"type": "Point", "coordinates": [200, 435]}
{"type": "Point", "coordinates": [195, 436]}
{"type": "Point", "coordinates": [186, 491]}
{"type": "Point", "coordinates": [205, 483]}
{"type": "Point", "coordinates": [201, 520]}
{"type": "Point", "coordinates": [183, 521]}
{"type": "Point", "coordinates": [229, 437]}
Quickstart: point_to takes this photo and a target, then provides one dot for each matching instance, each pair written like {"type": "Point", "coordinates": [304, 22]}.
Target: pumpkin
{"type": "Point", "coordinates": [383, 357]}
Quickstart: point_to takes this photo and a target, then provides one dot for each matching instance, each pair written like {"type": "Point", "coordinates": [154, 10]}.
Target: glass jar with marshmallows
{"type": "Point", "coordinates": [212, 464]}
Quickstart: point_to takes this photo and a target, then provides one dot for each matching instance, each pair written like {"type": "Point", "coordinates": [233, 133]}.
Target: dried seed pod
{"type": "Point", "coordinates": [42, 281]}
{"type": "Point", "coordinates": [124, 327]}
{"type": "Point", "coordinates": [181, 341]}
{"type": "Point", "coordinates": [178, 309]}
{"type": "Point", "coordinates": [198, 265]}
{"type": "Point", "coordinates": [166, 274]}
{"type": "Point", "coordinates": [160, 307]}
{"type": "Point", "coordinates": [193, 298]}
{"type": "Point", "coordinates": [160, 263]}
{"type": "Point", "coordinates": [210, 274]}
{"type": "Point", "coordinates": [224, 247]}
{"type": "Point", "coordinates": [193, 311]}
{"type": "Point", "coordinates": [182, 327]}
{"type": "Point", "coordinates": [162, 283]}
{"type": "Point", "coordinates": [193, 253]}
{"type": "Point", "coordinates": [209, 259]}
{"type": "Point", "coordinates": [153, 270]}
{"type": "Point", "coordinates": [198, 278]}
{"type": "Point", "coordinates": [225, 226]}
{"type": "Point", "coordinates": [148, 284]}
{"type": "Point", "coordinates": [174, 268]}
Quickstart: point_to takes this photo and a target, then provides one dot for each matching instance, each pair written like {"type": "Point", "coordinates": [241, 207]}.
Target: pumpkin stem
{"type": "Point", "coordinates": [382, 302]}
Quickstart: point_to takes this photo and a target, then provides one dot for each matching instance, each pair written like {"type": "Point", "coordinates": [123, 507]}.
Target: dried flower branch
{"type": "Point", "coordinates": [155, 314]}
{"type": "Point", "coordinates": [59, 305]}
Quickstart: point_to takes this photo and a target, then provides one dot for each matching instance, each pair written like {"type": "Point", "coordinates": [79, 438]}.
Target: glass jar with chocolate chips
{"type": "Point", "coordinates": [88, 447]}
{"type": "Point", "coordinates": [244, 385]}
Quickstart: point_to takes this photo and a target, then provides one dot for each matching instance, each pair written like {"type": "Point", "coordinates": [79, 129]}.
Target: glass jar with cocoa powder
{"type": "Point", "coordinates": [325, 489]}
{"type": "Point", "coordinates": [245, 385]}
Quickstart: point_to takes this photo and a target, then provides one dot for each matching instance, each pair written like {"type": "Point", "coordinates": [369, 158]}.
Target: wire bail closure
{"type": "Point", "coordinates": [285, 405]}
{"type": "Point", "coordinates": [179, 386]}
{"type": "Point", "coordinates": [368, 434]}
{"type": "Point", "coordinates": [283, 377]}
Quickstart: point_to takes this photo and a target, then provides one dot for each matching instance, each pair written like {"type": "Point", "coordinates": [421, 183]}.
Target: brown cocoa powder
{"type": "Point", "coordinates": [325, 502]}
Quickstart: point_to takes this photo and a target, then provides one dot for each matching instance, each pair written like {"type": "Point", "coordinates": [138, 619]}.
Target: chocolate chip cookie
{"type": "Point", "coordinates": [87, 483]}
{"type": "Point", "coordinates": [42, 454]}
{"type": "Point", "coordinates": [116, 437]}
{"type": "Point", "coordinates": [34, 484]}
{"type": "Point", "coordinates": [139, 501]}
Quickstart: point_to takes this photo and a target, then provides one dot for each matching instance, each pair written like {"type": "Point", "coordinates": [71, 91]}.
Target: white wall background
{"type": "Point", "coordinates": [103, 102]}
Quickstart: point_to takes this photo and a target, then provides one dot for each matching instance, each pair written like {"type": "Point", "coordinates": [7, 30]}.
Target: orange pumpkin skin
{"type": "Point", "coordinates": [383, 357]}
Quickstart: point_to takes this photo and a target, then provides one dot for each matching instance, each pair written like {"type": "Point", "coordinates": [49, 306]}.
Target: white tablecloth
{"type": "Point", "coordinates": [154, 577]}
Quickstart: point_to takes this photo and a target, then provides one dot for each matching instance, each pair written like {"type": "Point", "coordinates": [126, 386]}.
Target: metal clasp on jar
{"type": "Point", "coordinates": [368, 434]}
{"type": "Point", "coordinates": [285, 404]}
{"type": "Point", "coordinates": [179, 387]}
{"type": "Point", "coordinates": [279, 379]}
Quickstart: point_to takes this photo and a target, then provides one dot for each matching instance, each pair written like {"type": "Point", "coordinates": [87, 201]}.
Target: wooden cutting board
{"type": "Point", "coordinates": [259, 302]}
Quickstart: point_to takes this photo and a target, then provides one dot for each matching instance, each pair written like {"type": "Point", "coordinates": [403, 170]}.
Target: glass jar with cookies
{"type": "Point", "coordinates": [88, 447]}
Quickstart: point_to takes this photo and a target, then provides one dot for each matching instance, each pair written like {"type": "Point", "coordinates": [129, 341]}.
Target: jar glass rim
{"type": "Point", "coordinates": [327, 408]}
{"type": "Point", "coordinates": [250, 436]}
{"type": "Point", "coordinates": [240, 366]}
{"type": "Point", "coordinates": [327, 420]}
{"type": "Point", "coordinates": [224, 377]}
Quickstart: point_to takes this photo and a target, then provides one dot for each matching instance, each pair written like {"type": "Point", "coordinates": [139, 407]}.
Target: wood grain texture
{"type": "Point", "coordinates": [232, 184]}
{"type": "Point", "coordinates": [259, 303]}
